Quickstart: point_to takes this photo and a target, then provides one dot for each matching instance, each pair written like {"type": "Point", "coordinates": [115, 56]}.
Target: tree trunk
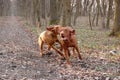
{"type": "Point", "coordinates": [104, 6]}
{"type": "Point", "coordinates": [77, 12]}
{"type": "Point", "coordinates": [1, 7]}
{"type": "Point", "coordinates": [109, 14]}
{"type": "Point", "coordinates": [66, 17]}
{"type": "Point", "coordinates": [42, 8]}
{"type": "Point", "coordinates": [116, 26]}
{"type": "Point", "coordinates": [38, 14]}
{"type": "Point", "coordinates": [53, 12]}
{"type": "Point", "coordinates": [85, 7]}
{"type": "Point", "coordinates": [98, 12]}
{"type": "Point", "coordinates": [89, 11]}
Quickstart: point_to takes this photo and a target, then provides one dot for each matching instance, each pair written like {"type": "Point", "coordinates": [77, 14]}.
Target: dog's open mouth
{"type": "Point", "coordinates": [65, 39]}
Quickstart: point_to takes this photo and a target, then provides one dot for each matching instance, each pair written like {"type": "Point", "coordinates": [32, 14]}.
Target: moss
{"type": "Point", "coordinates": [111, 34]}
{"type": "Point", "coordinates": [114, 34]}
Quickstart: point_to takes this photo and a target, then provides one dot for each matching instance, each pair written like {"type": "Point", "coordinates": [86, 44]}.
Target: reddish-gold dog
{"type": "Point", "coordinates": [56, 30]}
{"type": "Point", "coordinates": [67, 39]}
{"type": "Point", "coordinates": [48, 37]}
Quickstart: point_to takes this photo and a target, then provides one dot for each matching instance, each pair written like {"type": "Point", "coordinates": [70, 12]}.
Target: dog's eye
{"type": "Point", "coordinates": [62, 36]}
{"type": "Point", "coordinates": [69, 34]}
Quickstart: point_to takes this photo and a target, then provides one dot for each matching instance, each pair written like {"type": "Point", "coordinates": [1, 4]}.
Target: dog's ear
{"type": "Point", "coordinates": [72, 31]}
{"type": "Point", "coordinates": [57, 29]}
{"type": "Point", "coordinates": [49, 28]}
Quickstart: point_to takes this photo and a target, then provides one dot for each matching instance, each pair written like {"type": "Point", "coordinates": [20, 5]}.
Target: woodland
{"type": "Point", "coordinates": [97, 26]}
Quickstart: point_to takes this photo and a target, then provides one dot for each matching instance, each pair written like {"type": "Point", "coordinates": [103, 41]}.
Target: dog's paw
{"type": "Point", "coordinates": [41, 55]}
{"type": "Point", "coordinates": [69, 66]}
{"type": "Point", "coordinates": [62, 58]}
{"type": "Point", "coordinates": [80, 57]}
{"type": "Point", "coordinates": [49, 53]}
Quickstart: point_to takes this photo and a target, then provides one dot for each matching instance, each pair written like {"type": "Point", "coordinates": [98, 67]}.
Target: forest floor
{"type": "Point", "coordinates": [20, 59]}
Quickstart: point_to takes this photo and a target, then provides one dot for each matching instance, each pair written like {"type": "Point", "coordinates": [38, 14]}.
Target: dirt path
{"type": "Point", "coordinates": [20, 60]}
{"type": "Point", "coordinates": [11, 33]}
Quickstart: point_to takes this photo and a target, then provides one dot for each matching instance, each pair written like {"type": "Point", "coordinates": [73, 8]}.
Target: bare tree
{"type": "Point", "coordinates": [85, 7]}
{"type": "Point", "coordinates": [77, 12]}
{"type": "Point", "coordinates": [1, 7]}
{"type": "Point", "coordinates": [66, 17]}
{"type": "Point", "coordinates": [109, 14]}
{"type": "Point", "coordinates": [64, 12]}
{"type": "Point", "coordinates": [42, 8]}
{"type": "Point", "coordinates": [116, 26]}
{"type": "Point", "coordinates": [98, 11]}
{"type": "Point", "coordinates": [90, 20]}
{"type": "Point", "coordinates": [104, 7]}
{"type": "Point", "coordinates": [53, 12]}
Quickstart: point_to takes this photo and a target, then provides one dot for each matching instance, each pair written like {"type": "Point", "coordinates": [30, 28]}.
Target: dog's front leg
{"type": "Point", "coordinates": [49, 47]}
{"type": "Point", "coordinates": [77, 49]}
{"type": "Point", "coordinates": [66, 54]}
{"type": "Point", "coordinates": [58, 51]}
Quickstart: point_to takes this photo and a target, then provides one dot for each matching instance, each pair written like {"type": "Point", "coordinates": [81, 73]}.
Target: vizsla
{"type": "Point", "coordinates": [48, 37]}
{"type": "Point", "coordinates": [68, 39]}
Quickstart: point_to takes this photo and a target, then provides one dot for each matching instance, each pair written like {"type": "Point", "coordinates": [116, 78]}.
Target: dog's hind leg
{"type": "Point", "coordinates": [41, 47]}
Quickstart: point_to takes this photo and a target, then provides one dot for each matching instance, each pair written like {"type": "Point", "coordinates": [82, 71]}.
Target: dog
{"type": "Point", "coordinates": [68, 39]}
{"type": "Point", "coordinates": [48, 37]}
{"type": "Point", "coordinates": [56, 30]}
